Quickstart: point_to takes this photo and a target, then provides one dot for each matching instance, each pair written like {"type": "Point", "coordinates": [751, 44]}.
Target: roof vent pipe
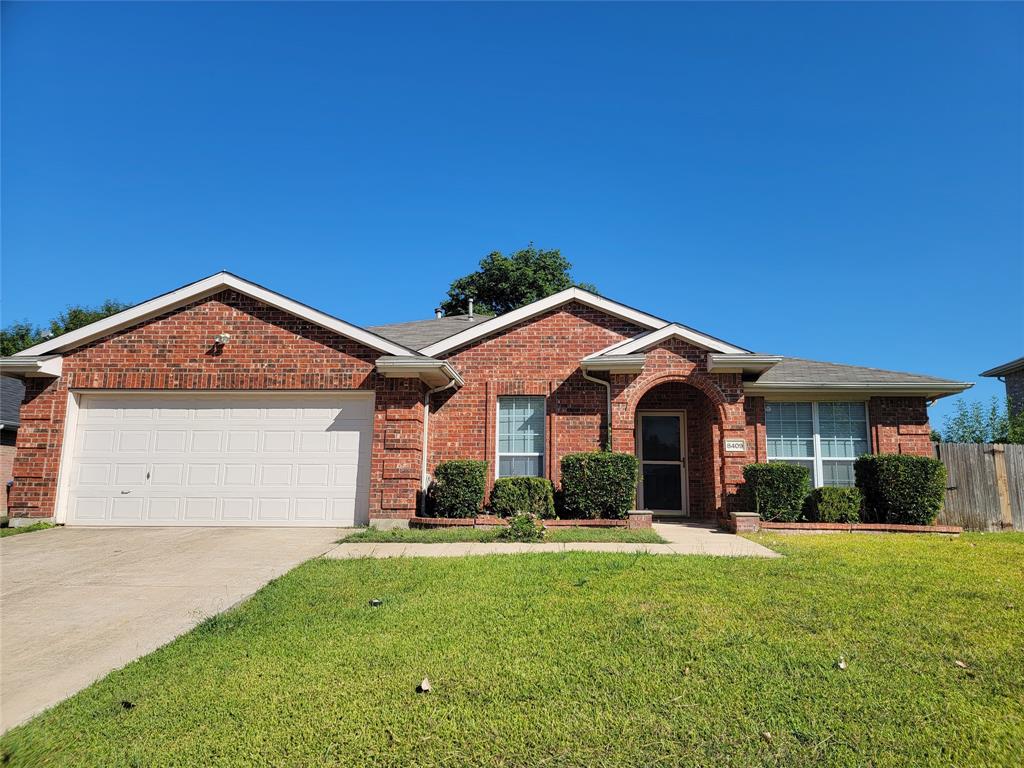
{"type": "Point", "coordinates": [437, 313]}
{"type": "Point", "coordinates": [470, 309]}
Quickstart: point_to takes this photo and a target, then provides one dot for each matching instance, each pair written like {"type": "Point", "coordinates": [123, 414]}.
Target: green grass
{"type": "Point", "coordinates": [585, 659]}
{"type": "Point", "coordinates": [555, 535]}
{"type": "Point", "coordinates": [5, 532]}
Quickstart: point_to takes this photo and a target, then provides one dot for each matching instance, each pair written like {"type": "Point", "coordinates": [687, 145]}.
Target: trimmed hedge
{"type": "Point", "coordinates": [601, 484]}
{"type": "Point", "coordinates": [835, 505]}
{"type": "Point", "coordinates": [523, 527]}
{"type": "Point", "coordinates": [458, 488]}
{"type": "Point", "coordinates": [517, 495]}
{"type": "Point", "coordinates": [776, 491]}
{"type": "Point", "coordinates": [907, 490]}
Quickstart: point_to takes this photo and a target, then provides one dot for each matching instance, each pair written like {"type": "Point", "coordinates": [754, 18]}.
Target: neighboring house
{"type": "Point", "coordinates": [1012, 375]}
{"type": "Point", "coordinates": [224, 403]}
{"type": "Point", "coordinates": [11, 393]}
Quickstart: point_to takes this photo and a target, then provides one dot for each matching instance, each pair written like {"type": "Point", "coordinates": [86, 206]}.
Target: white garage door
{"type": "Point", "coordinates": [293, 459]}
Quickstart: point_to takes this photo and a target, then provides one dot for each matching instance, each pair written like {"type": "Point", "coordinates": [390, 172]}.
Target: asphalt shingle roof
{"type": "Point", "coordinates": [12, 392]}
{"type": "Point", "coordinates": [795, 370]}
{"type": "Point", "coordinates": [422, 333]}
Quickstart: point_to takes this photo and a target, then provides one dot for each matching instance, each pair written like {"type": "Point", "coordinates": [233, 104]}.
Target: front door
{"type": "Point", "coordinates": [661, 449]}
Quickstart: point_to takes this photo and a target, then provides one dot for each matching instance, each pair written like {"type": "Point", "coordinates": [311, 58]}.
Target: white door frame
{"type": "Point", "coordinates": [683, 463]}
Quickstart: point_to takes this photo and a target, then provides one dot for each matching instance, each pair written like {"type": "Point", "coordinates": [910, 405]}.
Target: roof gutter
{"type": "Point", "coordinates": [614, 363]}
{"type": "Point", "coordinates": [742, 363]}
{"type": "Point", "coordinates": [430, 371]}
{"type": "Point", "coordinates": [29, 366]}
{"type": "Point", "coordinates": [937, 390]}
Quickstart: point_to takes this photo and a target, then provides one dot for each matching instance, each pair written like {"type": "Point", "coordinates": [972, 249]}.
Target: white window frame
{"type": "Point", "coordinates": [498, 453]}
{"type": "Point", "coordinates": [818, 461]}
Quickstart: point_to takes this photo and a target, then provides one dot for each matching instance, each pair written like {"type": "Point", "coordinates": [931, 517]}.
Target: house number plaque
{"type": "Point", "coordinates": [736, 445]}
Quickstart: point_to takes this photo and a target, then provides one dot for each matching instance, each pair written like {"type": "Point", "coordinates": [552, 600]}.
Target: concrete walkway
{"type": "Point", "coordinates": [682, 539]}
{"type": "Point", "coordinates": [76, 603]}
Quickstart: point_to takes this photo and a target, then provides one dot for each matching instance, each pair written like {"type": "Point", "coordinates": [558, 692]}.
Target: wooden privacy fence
{"type": "Point", "coordinates": [985, 486]}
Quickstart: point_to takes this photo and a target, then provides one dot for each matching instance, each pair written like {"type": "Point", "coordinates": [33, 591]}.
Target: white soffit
{"type": "Point", "coordinates": [207, 287]}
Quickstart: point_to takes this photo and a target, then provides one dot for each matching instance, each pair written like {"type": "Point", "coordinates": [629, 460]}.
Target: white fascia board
{"type": "Point", "coordinates": [614, 363]}
{"type": "Point", "coordinates": [744, 362]}
{"type": "Point", "coordinates": [893, 388]}
{"type": "Point", "coordinates": [495, 324]}
{"type": "Point", "coordinates": [206, 287]}
{"type": "Point", "coordinates": [673, 330]}
{"type": "Point", "coordinates": [22, 366]}
{"type": "Point", "coordinates": [429, 370]}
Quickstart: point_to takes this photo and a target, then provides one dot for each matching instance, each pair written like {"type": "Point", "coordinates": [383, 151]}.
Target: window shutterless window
{"type": "Point", "coordinates": [824, 437]}
{"type": "Point", "coordinates": [520, 436]}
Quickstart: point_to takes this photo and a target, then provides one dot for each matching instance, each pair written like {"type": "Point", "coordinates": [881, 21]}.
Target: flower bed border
{"type": "Point", "coordinates": [635, 520]}
{"type": "Point", "coordinates": [861, 527]}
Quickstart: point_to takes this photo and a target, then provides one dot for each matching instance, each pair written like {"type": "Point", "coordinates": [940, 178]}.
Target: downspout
{"type": "Point", "coordinates": [608, 399]}
{"type": "Point", "coordinates": [426, 442]}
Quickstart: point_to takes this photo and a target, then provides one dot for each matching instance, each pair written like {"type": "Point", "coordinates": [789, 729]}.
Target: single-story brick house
{"type": "Point", "coordinates": [225, 403]}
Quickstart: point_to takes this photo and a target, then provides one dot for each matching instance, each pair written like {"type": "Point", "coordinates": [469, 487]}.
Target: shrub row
{"type": "Point", "coordinates": [891, 488]}
{"type": "Point", "coordinates": [594, 485]}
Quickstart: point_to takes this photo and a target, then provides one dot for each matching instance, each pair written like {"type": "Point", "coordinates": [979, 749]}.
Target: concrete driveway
{"type": "Point", "coordinates": [76, 603]}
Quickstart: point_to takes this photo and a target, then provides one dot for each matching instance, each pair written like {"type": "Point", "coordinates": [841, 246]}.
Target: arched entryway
{"type": "Point", "coordinates": [674, 443]}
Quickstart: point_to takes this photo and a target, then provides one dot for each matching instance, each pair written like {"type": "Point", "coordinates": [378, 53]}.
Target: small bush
{"type": "Point", "coordinates": [835, 505]}
{"type": "Point", "coordinates": [523, 527]}
{"type": "Point", "coordinates": [900, 489]}
{"type": "Point", "coordinates": [776, 491]}
{"type": "Point", "coordinates": [458, 489]}
{"type": "Point", "coordinates": [517, 495]}
{"type": "Point", "coordinates": [598, 485]}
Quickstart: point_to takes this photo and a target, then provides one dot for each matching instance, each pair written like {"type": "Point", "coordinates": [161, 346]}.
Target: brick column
{"type": "Point", "coordinates": [396, 459]}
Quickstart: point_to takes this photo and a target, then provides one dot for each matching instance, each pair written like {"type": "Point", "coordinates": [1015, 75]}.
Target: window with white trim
{"type": "Point", "coordinates": [520, 436]}
{"type": "Point", "coordinates": [824, 437]}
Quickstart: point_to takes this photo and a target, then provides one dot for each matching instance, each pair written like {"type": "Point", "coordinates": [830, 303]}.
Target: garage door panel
{"type": "Point", "coordinates": [224, 459]}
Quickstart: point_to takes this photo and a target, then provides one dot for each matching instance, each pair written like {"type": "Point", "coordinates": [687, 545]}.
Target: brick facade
{"type": "Point", "coordinates": [1015, 391]}
{"type": "Point", "coordinates": [540, 356]}
{"type": "Point", "coordinates": [271, 350]}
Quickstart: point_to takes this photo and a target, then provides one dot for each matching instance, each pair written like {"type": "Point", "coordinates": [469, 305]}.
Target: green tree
{"type": "Point", "coordinates": [976, 422]}
{"type": "Point", "coordinates": [22, 335]}
{"type": "Point", "coordinates": [503, 283]}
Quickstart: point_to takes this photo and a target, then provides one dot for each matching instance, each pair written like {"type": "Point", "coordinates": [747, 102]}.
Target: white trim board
{"type": "Point", "coordinates": [207, 287]}
{"type": "Point", "coordinates": [672, 330]}
{"type": "Point", "coordinates": [553, 301]}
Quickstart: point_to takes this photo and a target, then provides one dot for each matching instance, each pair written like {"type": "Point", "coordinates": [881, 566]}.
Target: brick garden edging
{"type": "Point", "coordinates": [746, 522]}
{"type": "Point", "coordinates": [635, 520]}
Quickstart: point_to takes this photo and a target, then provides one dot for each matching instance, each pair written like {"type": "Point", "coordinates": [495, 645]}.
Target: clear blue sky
{"type": "Point", "coordinates": [839, 182]}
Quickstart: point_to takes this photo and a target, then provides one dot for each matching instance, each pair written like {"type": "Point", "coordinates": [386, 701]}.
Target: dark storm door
{"type": "Point", "coordinates": [661, 449]}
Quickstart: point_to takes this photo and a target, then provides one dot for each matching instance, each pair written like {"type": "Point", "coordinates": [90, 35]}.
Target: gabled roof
{"type": "Point", "coordinates": [12, 392]}
{"type": "Point", "coordinates": [1011, 367]}
{"type": "Point", "coordinates": [419, 333]}
{"type": "Point", "coordinates": [207, 287]}
{"type": "Point", "coordinates": [555, 300]}
{"type": "Point", "coordinates": [669, 331]}
{"type": "Point", "coordinates": [796, 374]}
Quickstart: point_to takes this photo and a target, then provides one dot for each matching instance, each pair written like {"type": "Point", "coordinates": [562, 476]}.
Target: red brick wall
{"type": "Point", "coordinates": [269, 350]}
{"type": "Point", "coordinates": [900, 425]}
{"type": "Point", "coordinates": [537, 357]}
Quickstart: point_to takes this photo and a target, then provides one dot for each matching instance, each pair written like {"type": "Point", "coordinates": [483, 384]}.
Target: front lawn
{"type": "Point", "coordinates": [12, 531]}
{"type": "Point", "coordinates": [555, 535]}
{"type": "Point", "coordinates": [586, 659]}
